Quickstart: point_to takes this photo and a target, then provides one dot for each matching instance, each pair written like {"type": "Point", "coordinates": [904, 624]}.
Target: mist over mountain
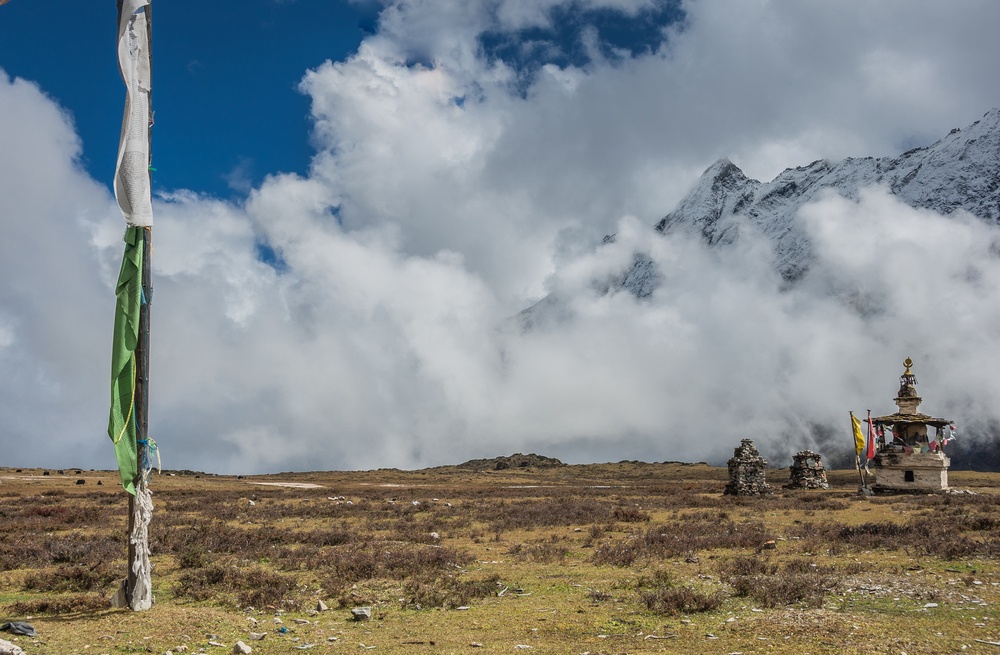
{"type": "Point", "coordinates": [959, 172]}
{"type": "Point", "coordinates": [812, 286]}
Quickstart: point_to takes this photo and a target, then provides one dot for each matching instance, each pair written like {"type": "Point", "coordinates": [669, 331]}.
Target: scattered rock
{"type": "Point", "coordinates": [8, 648]}
{"type": "Point", "coordinates": [119, 599]}
{"type": "Point", "coordinates": [321, 606]}
{"type": "Point", "coordinates": [257, 636]}
{"type": "Point", "coordinates": [241, 649]}
{"type": "Point", "coordinates": [362, 613]}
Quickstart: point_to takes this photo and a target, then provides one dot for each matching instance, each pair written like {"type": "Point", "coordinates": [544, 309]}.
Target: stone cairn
{"type": "Point", "coordinates": [746, 472]}
{"type": "Point", "coordinates": [807, 471]}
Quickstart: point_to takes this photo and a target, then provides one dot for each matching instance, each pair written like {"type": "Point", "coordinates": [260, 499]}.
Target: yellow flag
{"type": "Point", "coordinates": [859, 436]}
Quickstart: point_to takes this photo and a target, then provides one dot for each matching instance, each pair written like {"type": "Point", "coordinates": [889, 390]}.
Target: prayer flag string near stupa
{"type": "Point", "coordinates": [127, 422]}
{"type": "Point", "coordinates": [859, 437]}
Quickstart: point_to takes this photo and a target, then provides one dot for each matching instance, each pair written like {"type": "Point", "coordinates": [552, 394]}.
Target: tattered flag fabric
{"type": "Point", "coordinates": [132, 169]}
{"type": "Point", "coordinates": [870, 452]}
{"type": "Point", "coordinates": [122, 422]}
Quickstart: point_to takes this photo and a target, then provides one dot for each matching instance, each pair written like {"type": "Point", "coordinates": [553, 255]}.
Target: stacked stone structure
{"type": "Point", "coordinates": [747, 472]}
{"type": "Point", "coordinates": [807, 471]}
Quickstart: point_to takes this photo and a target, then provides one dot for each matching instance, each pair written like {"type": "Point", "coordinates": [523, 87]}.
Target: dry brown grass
{"type": "Point", "coordinates": [610, 558]}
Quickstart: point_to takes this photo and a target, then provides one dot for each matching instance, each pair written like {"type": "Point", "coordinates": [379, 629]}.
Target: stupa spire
{"type": "Point", "coordinates": [907, 399]}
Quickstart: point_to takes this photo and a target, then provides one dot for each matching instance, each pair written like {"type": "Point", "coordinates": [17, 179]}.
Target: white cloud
{"type": "Point", "coordinates": [442, 201]}
{"type": "Point", "coordinates": [51, 281]}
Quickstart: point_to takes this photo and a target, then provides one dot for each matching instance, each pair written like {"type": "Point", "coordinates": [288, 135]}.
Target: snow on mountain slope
{"type": "Point", "coordinates": [961, 171]}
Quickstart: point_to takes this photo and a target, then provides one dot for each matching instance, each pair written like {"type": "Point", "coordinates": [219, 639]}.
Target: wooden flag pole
{"type": "Point", "coordinates": [138, 586]}
{"type": "Point", "coordinates": [137, 546]}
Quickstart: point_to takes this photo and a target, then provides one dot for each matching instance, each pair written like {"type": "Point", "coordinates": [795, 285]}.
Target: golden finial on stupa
{"type": "Point", "coordinates": [907, 363]}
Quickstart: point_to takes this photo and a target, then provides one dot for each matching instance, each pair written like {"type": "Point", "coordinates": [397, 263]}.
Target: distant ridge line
{"type": "Point", "coordinates": [517, 460]}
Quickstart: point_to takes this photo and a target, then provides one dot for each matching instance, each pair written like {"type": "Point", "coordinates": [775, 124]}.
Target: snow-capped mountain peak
{"type": "Point", "coordinates": [961, 171]}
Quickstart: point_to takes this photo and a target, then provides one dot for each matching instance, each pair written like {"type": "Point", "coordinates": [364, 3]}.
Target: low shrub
{"type": "Point", "coordinates": [633, 514]}
{"type": "Point", "coordinates": [798, 581]}
{"type": "Point", "coordinates": [356, 562]}
{"type": "Point", "coordinates": [194, 557]}
{"type": "Point", "coordinates": [684, 537]}
{"type": "Point", "coordinates": [675, 600]}
{"type": "Point", "coordinates": [240, 587]}
{"type": "Point", "coordinates": [448, 591]}
{"type": "Point", "coordinates": [784, 589]}
{"type": "Point", "coordinates": [71, 578]}
{"type": "Point", "coordinates": [546, 552]}
{"type": "Point", "coordinates": [746, 566]}
{"type": "Point", "coordinates": [62, 604]}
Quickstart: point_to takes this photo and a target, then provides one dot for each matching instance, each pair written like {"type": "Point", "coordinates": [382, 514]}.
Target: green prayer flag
{"type": "Point", "coordinates": [122, 422]}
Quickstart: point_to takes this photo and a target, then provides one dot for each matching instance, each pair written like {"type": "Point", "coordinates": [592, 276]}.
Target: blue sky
{"type": "Point", "coordinates": [227, 108]}
{"type": "Point", "coordinates": [425, 170]}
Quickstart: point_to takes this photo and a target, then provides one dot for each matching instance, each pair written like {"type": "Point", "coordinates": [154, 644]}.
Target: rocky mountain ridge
{"type": "Point", "coordinates": [960, 171]}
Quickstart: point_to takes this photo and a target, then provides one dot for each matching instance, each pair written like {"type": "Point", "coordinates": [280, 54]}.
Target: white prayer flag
{"type": "Point", "coordinates": [132, 170]}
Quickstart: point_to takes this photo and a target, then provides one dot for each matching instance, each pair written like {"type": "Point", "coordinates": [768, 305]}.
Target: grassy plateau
{"type": "Point", "coordinates": [601, 559]}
